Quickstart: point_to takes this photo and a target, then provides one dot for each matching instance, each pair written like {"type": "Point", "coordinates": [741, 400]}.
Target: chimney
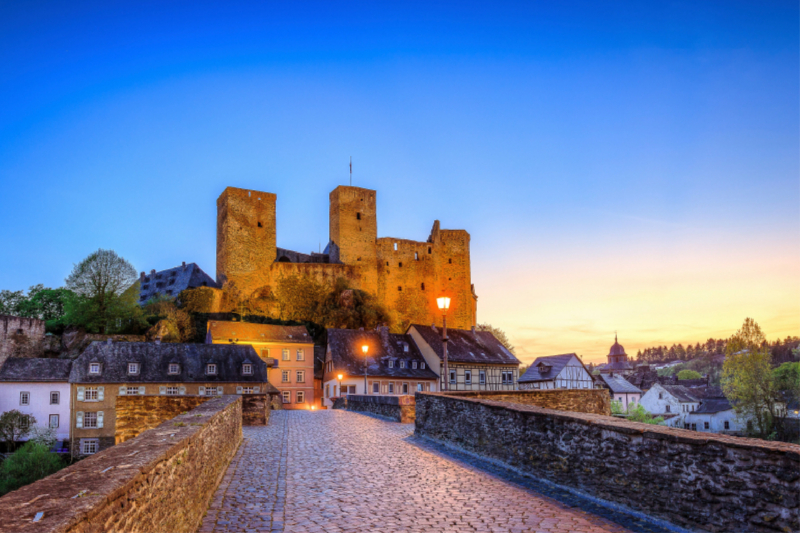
{"type": "Point", "coordinates": [141, 276]}
{"type": "Point", "coordinates": [384, 331]}
{"type": "Point", "coordinates": [183, 265]}
{"type": "Point", "coordinates": [153, 272]}
{"type": "Point", "coordinates": [474, 333]}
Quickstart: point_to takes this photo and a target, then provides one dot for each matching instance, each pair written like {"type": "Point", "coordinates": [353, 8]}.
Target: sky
{"type": "Point", "coordinates": [625, 167]}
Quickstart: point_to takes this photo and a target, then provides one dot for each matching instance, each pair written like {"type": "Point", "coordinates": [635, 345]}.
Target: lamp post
{"type": "Point", "coordinates": [340, 384]}
{"type": "Point", "coordinates": [365, 349]}
{"type": "Point", "coordinates": [444, 303]}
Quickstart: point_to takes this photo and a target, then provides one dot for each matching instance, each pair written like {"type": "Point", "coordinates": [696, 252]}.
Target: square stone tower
{"type": "Point", "coordinates": [245, 233]}
{"type": "Point", "coordinates": [354, 231]}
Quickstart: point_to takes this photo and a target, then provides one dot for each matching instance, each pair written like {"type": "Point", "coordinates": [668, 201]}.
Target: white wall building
{"type": "Point", "coordinates": [670, 400]}
{"type": "Point", "coordinates": [564, 371]}
{"type": "Point", "coordinates": [38, 387]}
{"type": "Point", "coordinates": [714, 415]}
{"type": "Point", "coordinates": [622, 390]}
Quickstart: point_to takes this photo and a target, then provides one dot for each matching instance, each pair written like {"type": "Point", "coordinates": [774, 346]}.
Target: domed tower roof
{"type": "Point", "coordinates": [616, 348]}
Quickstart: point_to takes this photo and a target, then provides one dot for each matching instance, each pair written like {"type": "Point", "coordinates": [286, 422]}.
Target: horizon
{"type": "Point", "coordinates": [620, 167]}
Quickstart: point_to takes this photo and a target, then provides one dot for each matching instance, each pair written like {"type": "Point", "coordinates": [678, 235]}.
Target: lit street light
{"type": "Point", "coordinates": [365, 349]}
{"type": "Point", "coordinates": [340, 384]}
{"type": "Point", "coordinates": [444, 303]}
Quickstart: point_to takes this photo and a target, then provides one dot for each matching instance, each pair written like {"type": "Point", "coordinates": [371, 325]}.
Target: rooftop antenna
{"type": "Point", "coordinates": [351, 170]}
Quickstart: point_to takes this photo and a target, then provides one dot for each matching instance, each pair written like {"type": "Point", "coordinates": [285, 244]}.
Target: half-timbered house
{"type": "Point", "coordinates": [564, 371]}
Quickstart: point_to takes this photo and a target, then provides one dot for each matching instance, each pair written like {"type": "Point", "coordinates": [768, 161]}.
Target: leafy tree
{"type": "Point", "coordinates": [32, 462]}
{"type": "Point", "coordinates": [616, 407]}
{"type": "Point", "coordinates": [351, 308]}
{"type": "Point", "coordinates": [689, 374]}
{"type": "Point", "coordinates": [45, 303]}
{"type": "Point", "coordinates": [637, 413]}
{"type": "Point", "coordinates": [747, 378]}
{"type": "Point", "coordinates": [10, 302]}
{"type": "Point", "coordinates": [499, 335]}
{"type": "Point", "coordinates": [102, 300]}
{"type": "Point", "coordinates": [171, 323]}
{"type": "Point", "coordinates": [787, 378]}
{"type": "Point", "coordinates": [14, 426]}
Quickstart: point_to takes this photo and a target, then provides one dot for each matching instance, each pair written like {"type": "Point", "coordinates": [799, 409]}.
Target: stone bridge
{"type": "Point", "coordinates": [338, 471]}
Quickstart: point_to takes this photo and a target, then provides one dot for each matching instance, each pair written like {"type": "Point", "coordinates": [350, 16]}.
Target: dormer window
{"type": "Point", "coordinates": [405, 347]}
{"type": "Point", "coordinates": [247, 369]}
{"type": "Point", "coordinates": [94, 368]}
{"type": "Point", "coordinates": [402, 364]}
{"type": "Point", "coordinates": [414, 365]}
{"type": "Point", "coordinates": [422, 365]}
{"type": "Point", "coordinates": [211, 369]}
{"type": "Point", "coordinates": [391, 364]}
{"type": "Point", "coordinates": [133, 368]}
{"type": "Point", "coordinates": [174, 368]}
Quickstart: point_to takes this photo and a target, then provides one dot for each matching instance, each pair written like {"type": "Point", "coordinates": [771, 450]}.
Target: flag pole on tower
{"type": "Point", "coordinates": [351, 170]}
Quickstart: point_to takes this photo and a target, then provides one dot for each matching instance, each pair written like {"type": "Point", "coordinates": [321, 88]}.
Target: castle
{"type": "Point", "coordinates": [406, 276]}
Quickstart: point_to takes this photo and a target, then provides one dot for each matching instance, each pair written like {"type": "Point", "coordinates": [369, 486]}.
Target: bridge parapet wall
{"type": "Point", "coordinates": [162, 480]}
{"type": "Point", "coordinates": [398, 408]}
{"type": "Point", "coordinates": [592, 401]}
{"type": "Point", "coordinates": [696, 480]}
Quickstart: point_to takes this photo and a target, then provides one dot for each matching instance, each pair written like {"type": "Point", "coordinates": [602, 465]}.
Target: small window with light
{"type": "Point", "coordinates": [211, 369]}
{"type": "Point", "coordinates": [133, 368]}
{"type": "Point", "coordinates": [94, 368]}
{"type": "Point", "coordinates": [247, 369]}
{"type": "Point", "coordinates": [174, 368]}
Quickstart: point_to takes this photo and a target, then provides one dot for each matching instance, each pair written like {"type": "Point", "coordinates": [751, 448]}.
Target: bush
{"type": "Point", "coordinates": [32, 462]}
{"type": "Point", "coordinates": [689, 374]}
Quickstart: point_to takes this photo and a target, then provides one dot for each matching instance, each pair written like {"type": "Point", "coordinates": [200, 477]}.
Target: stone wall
{"type": "Point", "coordinates": [398, 408]}
{"type": "Point", "coordinates": [136, 414]}
{"type": "Point", "coordinates": [255, 409]}
{"type": "Point", "coordinates": [591, 401]}
{"type": "Point", "coordinates": [162, 480]}
{"type": "Point", "coordinates": [20, 336]}
{"type": "Point", "coordinates": [696, 480]}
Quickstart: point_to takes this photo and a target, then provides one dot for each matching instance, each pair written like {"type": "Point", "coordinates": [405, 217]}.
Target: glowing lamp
{"type": "Point", "coordinates": [365, 349]}
{"type": "Point", "coordinates": [443, 302]}
{"type": "Point", "coordinates": [340, 377]}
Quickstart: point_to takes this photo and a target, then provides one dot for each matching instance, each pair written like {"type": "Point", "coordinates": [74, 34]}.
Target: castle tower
{"type": "Point", "coordinates": [245, 233]}
{"type": "Point", "coordinates": [354, 230]}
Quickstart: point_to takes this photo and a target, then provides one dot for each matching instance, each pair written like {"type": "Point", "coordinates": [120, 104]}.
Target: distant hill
{"type": "Point", "coordinates": [781, 351]}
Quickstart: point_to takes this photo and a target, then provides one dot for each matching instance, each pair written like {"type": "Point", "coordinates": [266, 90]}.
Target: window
{"type": "Point", "coordinates": [419, 387]}
{"type": "Point", "coordinates": [450, 261]}
{"type": "Point", "coordinates": [727, 425]}
{"type": "Point", "coordinates": [24, 398]}
{"type": "Point", "coordinates": [284, 376]}
{"type": "Point", "coordinates": [53, 421]}
{"type": "Point", "coordinates": [94, 368]}
{"type": "Point", "coordinates": [301, 355]}
{"type": "Point", "coordinates": [452, 376]}
{"type": "Point", "coordinates": [482, 377]}
{"type": "Point", "coordinates": [89, 446]}
{"type": "Point", "coordinates": [619, 399]}
{"type": "Point", "coordinates": [55, 398]}
{"type": "Point", "coordinates": [468, 377]}
{"type": "Point", "coordinates": [91, 394]}
{"type": "Point", "coordinates": [376, 388]}
{"type": "Point", "coordinates": [301, 376]}
{"type": "Point", "coordinates": [422, 286]}
{"type": "Point", "coordinates": [399, 288]}
{"type": "Point", "coordinates": [212, 391]}
{"type": "Point", "coordinates": [247, 390]}
{"type": "Point", "coordinates": [705, 425]}
{"type": "Point", "coordinates": [301, 397]}
{"type": "Point", "coordinates": [133, 368]}
{"type": "Point", "coordinates": [395, 247]}
{"type": "Point", "coordinates": [413, 365]}
{"type": "Point", "coordinates": [660, 395]}
{"type": "Point", "coordinates": [416, 256]}
{"type": "Point", "coordinates": [247, 369]}
{"type": "Point", "coordinates": [508, 377]}
{"type": "Point", "coordinates": [173, 391]}
{"type": "Point", "coordinates": [211, 369]}
{"type": "Point", "coordinates": [265, 353]}
{"type": "Point", "coordinates": [400, 264]}
{"type": "Point", "coordinates": [422, 365]}
{"type": "Point", "coordinates": [358, 216]}
{"type": "Point", "coordinates": [405, 388]}
{"type": "Point", "coordinates": [260, 225]}
{"type": "Point", "coordinates": [174, 368]}
{"type": "Point", "coordinates": [668, 408]}
{"type": "Point", "coordinates": [694, 427]}
{"type": "Point", "coordinates": [287, 396]}
{"type": "Point", "coordinates": [429, 249]}
{"type": "Point", "coordinates": [402, 364]}
{"type": "Point", "coordinates": [131, 391]}
{"type": "Point", "coordinates": [90, 420]}
{"type": "Point", "coordinates": [285, 354]}
{"type": "Point", "coordinates": [391, 388]}
{"type": "Point", "coordinates": [391, 364]}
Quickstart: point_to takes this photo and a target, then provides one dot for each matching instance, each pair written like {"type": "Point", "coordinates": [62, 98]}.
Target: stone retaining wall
{"type": "Point", "coordinates": [136, 414]}
{"type": "Point", "coordinates": [161, 480]}
{"type": "Point", "coordinates": [398, 408]}
{"type": "Point", "coordinates": [696, 480]}
{"type": "Point", "coordinates": [592, 401]}
{"type": "Point", "coordinates": [255, 409]}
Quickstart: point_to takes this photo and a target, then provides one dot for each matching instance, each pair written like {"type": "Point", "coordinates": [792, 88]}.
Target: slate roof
{"type": "Point", "coordinates": [30, 369]}
{"type": "Point", "coordinates": [556, 365]}
{"type": "Point", "coordinates": [154, 359]}
{"type": "Point", "coordinates": [345, 347]}
{"type": "Point", "coordinates": [172, 281]}
{"type": "Point", "coordinates": [682, 393]}
{"type": "Point", "coordinates": [618, 384]}
{"type": "Point", "coordinates": [711, 406]}
{"type": "Point", "coordinates": [466, 346]}
{"type": "Point", "coordinates": [248, 332]}
{"type": "Point", "coordinates": [616, 348]}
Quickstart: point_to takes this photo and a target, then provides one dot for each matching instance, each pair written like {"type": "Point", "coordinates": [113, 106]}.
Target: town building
{"type": "Point", "coordinates": [40, 388]}
{"type": "Point", "coordinates": [106, 370]}
{"type": "Point", "coordinates": [565, 371]}
{"type": "Point", "coordinates": [621, 390]}
{"type": "Point", "coordinates": [288, 352]}
{"type": "Point", "coordinates": [714, 415]}
{"type": "Point", "coordinates": [171, 282]}
{"type": "Point", "coordinates": [476, 359]}
{"type": "Point", "coordinates": [404, 275]}
{"type": "Point", "coordinates": [671, 400]}
{"type": "Point", "coordinates": [17, 333]}
{"type": "Point", "coordinates": [617, 360]}
{"type": "Point", "coordinates": [392, 365]}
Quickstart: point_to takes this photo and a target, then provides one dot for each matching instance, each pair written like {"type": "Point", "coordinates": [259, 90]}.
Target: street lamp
{"type": "Point", "coordinates": [444, 304]}
{"type": "Point", "coordinates": [340, 384]}
{"type": "Point", "coordinates": [365, 349]}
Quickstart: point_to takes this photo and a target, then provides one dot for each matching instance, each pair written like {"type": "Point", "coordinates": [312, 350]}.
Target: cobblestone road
{"type": "Point", "coordinates": [336, 471]}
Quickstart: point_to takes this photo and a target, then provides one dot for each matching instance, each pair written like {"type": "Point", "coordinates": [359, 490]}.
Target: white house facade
{"type": "Point", "coordinates": [564, 371]}
{"type": "Point", "coordinates": [40, 388]}
{"type": "Point", "coordinates": [622, 390]}
{"type": "Point", "coordinates": [714, 415]}
{"type": "Point", "coordinates": [670, 400]}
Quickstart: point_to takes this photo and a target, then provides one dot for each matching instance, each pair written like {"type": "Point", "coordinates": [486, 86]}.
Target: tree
{"type": "Point", "coordinates": [32, 462]}
{"type": "Point", "coordinates": [10, 302]}
{"type": "Point", "coordinates": [102, 300]}
{"type": "Point", "coordinates": [14, 426]}
{"type": "Point", "coordinates": [747, 378]}
{"type": "Point", "coordinates": [637, 413]}
{"type": "Point", "coordinates": [173, 324]}
{"type": "Point", "coordinates": [787, 378]}
{"type": "Point", "coordinates": [351, 308]}
{"type": "Point", "coordinates": [689, 374]}
{"type": "Point", "coordinates": [45, 303]}
{"type": "Point", "coordinates": [499, 334]}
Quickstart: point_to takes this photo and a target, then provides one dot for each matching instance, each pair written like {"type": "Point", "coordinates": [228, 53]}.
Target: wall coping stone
{"type": "Point", "coordinates": [83, 490]}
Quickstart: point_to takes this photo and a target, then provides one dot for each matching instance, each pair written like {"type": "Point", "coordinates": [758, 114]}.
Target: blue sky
{"type": "Point", "coordinates": [626, 166]}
